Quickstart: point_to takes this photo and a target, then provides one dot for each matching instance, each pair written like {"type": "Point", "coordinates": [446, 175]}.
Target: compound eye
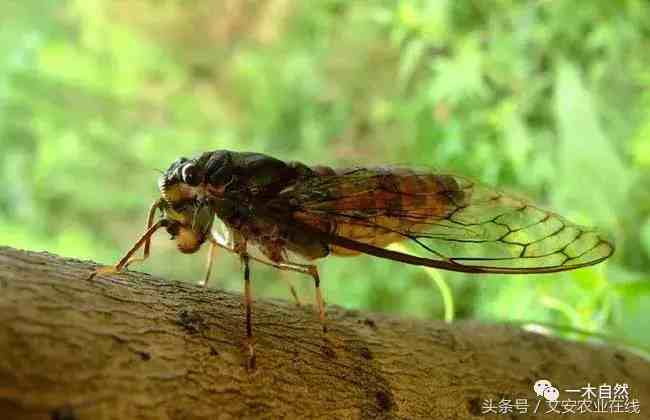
{"type": "Point", "coordinates": [190, 174]}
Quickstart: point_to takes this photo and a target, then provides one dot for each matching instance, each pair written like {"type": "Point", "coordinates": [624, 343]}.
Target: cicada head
{"type": "Point", "coordinates": [183, 204]}
{"type": "Point", "coordinates": [181, 181]}
{"type": "Point", "coordinates": [193, 224]}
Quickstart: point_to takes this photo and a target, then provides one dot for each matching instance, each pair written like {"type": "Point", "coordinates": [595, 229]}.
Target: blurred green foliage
{"type": "Point", "coordinates": [545, 98]}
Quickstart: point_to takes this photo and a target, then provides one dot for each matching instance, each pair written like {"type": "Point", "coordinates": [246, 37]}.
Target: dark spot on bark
{"type": "Point", "coordinates": [144, 356]}
{"type": "Point", "coordinates": [370, 323]}
{"type": "Point", "coordinates": [107, 315]}
{"type": "Point", "coordinates": [63, 413]}
{"type": "Point", "coordinates": [619, 356]}
{"type": "Point", "coordinates": [328, 352]}
{"type": "Point", "coordinates": [384, 400]}
{"type": "Point", "coordinates": [213, 351]}
{"type": "Point", "coordinates": [251, 364]}
{"type": "Point", "coordinates": [474, 407]}
{"type": "Point", "coordinates": [365, 353]}
{"type": "Point", "coordinates": [191, 322]}
{"type": "Point", "coordinates": [118, 339]}
{"type": "Point", "coordinates": [514, 359]}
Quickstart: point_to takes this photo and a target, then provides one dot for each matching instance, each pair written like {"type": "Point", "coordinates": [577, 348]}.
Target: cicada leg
{"type": "Point", "coordinates": [293, 292]}
{"type": "Point", "coordinates": [208, 266]}
{"type": "Point", "coordinates": [310, 270]}
{"type": "Point", "coordinates": [127, 258]}
{"type": "Point", "coordinates": [147, 245]}
{"type": "Point", "coordinates": [217, 240]}
{"type": "Point", "coordinates": [145, 240]}
{"type": "Point", "coordinates": [248, 304]}
{"type": "Point", "coordinates": [237, 245]}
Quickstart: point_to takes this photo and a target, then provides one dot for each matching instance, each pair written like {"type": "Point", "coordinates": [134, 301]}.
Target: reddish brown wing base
{"type": "Point", "coordinates": [456, 224]}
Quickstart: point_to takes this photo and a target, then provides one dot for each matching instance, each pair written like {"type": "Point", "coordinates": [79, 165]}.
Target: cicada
{"type": "Point", "coordinates": [295, 214]}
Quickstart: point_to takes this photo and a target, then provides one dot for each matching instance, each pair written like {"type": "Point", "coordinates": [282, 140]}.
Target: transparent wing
{"type": "Point", "coordinates": [450, 219]}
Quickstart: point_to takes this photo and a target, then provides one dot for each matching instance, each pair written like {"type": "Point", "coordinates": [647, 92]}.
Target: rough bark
{"type": "Point", "coordinates": [133, 346]}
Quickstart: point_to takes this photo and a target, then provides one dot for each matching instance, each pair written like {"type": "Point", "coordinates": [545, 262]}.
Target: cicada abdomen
{"type": "Point", "coordinates": [383, 203]}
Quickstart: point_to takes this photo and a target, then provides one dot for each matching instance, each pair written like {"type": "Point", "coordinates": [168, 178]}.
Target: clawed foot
{"type": "Point", "coordinates": [249, 346]}
{"type": "Point", "coordinates": [103, 270]}
{"type": "Point", "coordinates": [330, 346]}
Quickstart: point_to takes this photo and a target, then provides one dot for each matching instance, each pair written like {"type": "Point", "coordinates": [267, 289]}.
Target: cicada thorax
{"type": "Point", "coordinates": [397, 199]}
{"type": "Point", "coordinates": [237, 185]}
{"type": "Point", "coordinates": [258, 180]}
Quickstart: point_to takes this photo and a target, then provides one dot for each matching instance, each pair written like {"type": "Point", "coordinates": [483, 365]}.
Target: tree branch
{"type": "Point", "coordinates": [134, 346]}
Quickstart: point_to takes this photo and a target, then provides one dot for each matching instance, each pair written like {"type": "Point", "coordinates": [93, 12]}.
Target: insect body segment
{"type": "Point", "coordinates": [378, 206]}
{"type": "Point", "coordinates": [291, 211]}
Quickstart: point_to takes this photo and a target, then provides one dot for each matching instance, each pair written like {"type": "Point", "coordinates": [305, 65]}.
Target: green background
{"type": "Point", "coordinates": [545, 98]}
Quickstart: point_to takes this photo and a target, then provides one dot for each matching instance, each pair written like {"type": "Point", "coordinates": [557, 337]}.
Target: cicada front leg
{"type": "Point", "coordinates": [208, 266]}
{"type": "Point", "coordinates": [293, 292]}
{"type": "Point", "coordinates": [145, 240]}
{"type": "Point", "coordinates": [217, 240]}
{"type": "Point", "coordinates": [147, 244]}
